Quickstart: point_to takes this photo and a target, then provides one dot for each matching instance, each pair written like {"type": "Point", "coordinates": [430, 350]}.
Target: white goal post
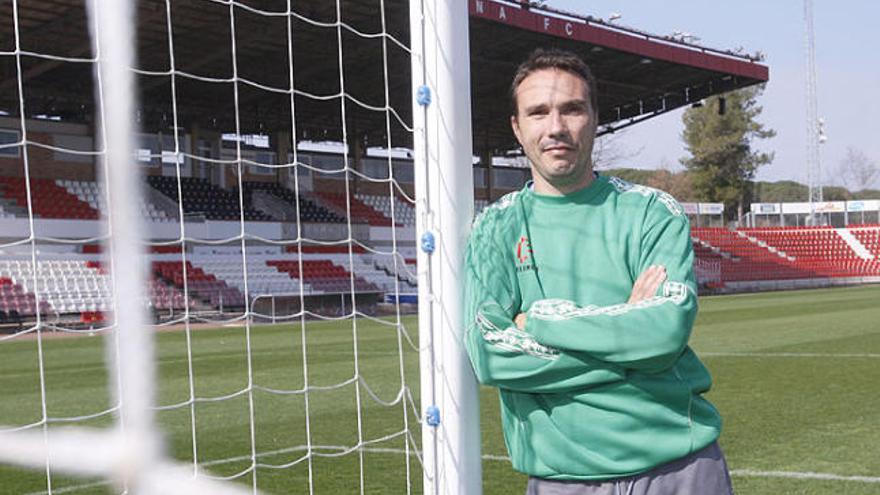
{"type": "Point", "coordinates": [128, 454]}
{"type": "Point", "coordinates": [444, 208]}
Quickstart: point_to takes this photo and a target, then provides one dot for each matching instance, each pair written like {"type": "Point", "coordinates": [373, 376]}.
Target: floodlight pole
{"type": "Point", "coordinates": [444, 210]}
{"type": "Point", "coordinates": [814, 132]}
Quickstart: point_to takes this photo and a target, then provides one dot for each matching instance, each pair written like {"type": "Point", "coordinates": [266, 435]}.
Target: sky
{"type": "Point", "coordinates": [847, 43]}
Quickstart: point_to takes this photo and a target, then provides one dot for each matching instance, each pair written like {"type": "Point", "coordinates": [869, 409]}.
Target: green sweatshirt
{"type": "Point", "coordinates": [593, 388]}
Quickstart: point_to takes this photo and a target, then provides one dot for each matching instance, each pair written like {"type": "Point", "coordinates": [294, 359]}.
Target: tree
{"type": "Point", "coordinates": [784, 191]}
{"type": "Point", "coordinates": [719, 137]}
{"type": "Point", "coordinates": [857, 170]}
{"type": "Point", "coordinates": [609, 150]}
{"type": "Point", "coordinates": [836, 193]}
{"type": "Point", "coordinates": [678, 184]}
{"type": "Point", "coordinates": [634, 175]}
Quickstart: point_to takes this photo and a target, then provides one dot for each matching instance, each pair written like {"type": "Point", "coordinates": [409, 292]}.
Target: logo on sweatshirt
{"type": "Point", "coordinates": [524, 255]}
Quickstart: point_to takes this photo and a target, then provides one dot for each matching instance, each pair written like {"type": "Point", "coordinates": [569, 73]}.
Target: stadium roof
{"type": "Point", "coordinates": [640, 75]}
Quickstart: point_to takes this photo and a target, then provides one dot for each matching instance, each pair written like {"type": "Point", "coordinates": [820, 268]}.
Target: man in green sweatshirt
{"type": "Point", "coordinates": [580, 298]}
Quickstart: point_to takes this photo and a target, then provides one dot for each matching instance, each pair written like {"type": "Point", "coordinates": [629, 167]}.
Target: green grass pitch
{"type": "Point", "coordinates": [796, 379]}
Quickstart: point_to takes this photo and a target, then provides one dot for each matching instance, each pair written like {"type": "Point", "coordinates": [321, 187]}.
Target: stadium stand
{"type": "Point", "coordinates": [261, 278]}
{"type": "Point", "coordinates": [404, 212]}
{"type": "Point", "coordinates": [15, 300]}
{"type": "Point", "coordinates": [323, 275]}
{"type": "Point", "coordinates": [70, 286]}
{"type": "Point", "coordinates": [406, 271]}
{"type": "Point", "coordinates": [376, 271]}
{"type": "Point", "coordinates": [360, 211]}
{"type": "Point", "coordinates": [202, 197]}
{"type": "Point", "coordinates": [164, 297]}
{"type": "Point", "coordinates": [806, 243]}
{"type": "Point", "coordinates": [824, 251]}
{"type": "Point", "coordinates": [309, 211]}
{"type": "Point", "coordinates": [49, 199]}
{"type": "Point", "coordinates": [65, 286]}
{"type": "Point", "coordinates": [202, 286]}
{"type": "Point", "coordinates": [90, 192]}
{"type": "Point", "coordinates": [325, 270]}
{"type": "Point", "coordinates": [83, 287]}
{"type": "Point", "coordinates": [784, 253]}
{"type": "Point", "coordinates": [869, 236]}
{"type": "Point", "coordinates": [77, 284]}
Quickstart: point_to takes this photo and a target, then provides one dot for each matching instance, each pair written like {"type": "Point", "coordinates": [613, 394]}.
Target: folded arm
{"type": "Point", "coordinates": [646, 334]}
{"type": "Point", "coordinates": [503, 355]}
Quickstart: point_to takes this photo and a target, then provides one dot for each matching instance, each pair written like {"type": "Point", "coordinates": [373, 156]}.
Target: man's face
{"type": "Point", "coordinates": [556, 125]}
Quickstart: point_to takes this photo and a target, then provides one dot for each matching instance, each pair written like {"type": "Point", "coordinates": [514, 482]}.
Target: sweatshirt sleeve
{"type": "Point", "coordinates": [503, 355]}
{"type": "Point", "coordinates": [647, 336]}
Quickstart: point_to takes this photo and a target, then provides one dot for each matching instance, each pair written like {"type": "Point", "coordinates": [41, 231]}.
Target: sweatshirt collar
{"type": "Point", "coordinates": [581, 196]}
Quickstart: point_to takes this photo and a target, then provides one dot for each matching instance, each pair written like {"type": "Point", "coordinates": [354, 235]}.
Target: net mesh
{"type": "Point", "coordinates": [280, 365]}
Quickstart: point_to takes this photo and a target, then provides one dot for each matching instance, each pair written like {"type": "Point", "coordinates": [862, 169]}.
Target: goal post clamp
{"type": "Point", "coordinates": [423, 95]}
{"type": "Point", "coordinates": [427, 242]}
{"type": "Point", "coordinates": [432, 416]}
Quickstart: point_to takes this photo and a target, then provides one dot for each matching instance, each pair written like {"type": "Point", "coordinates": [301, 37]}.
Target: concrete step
{"type": "Point", "coordinates": [856, 245]}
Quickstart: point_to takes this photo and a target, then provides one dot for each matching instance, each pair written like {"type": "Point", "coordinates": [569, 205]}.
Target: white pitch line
{"type": "Point", "coordinates": [803, 476]}
{"type": "Point", "coordinates": [504, 458]}
{"type": "Point", "coordinates": [790, 354]}
{"type": "Point", "coordinates": [743, 473]}
{"type": "Point", "coordinates": [72, 488]}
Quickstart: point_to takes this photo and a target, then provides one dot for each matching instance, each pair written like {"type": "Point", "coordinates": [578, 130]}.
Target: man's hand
{"type": "Point", "coordinates": [520, 321]}
{"type": "Point", "coordinates": [647, 284]}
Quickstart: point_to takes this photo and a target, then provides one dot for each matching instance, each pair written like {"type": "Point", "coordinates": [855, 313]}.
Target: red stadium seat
{"type": "Point", "coordinates": [809, 252]}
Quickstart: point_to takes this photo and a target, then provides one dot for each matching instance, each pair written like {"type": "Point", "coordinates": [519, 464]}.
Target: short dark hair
{"type": "Point", "coordinates": [554, 58]}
